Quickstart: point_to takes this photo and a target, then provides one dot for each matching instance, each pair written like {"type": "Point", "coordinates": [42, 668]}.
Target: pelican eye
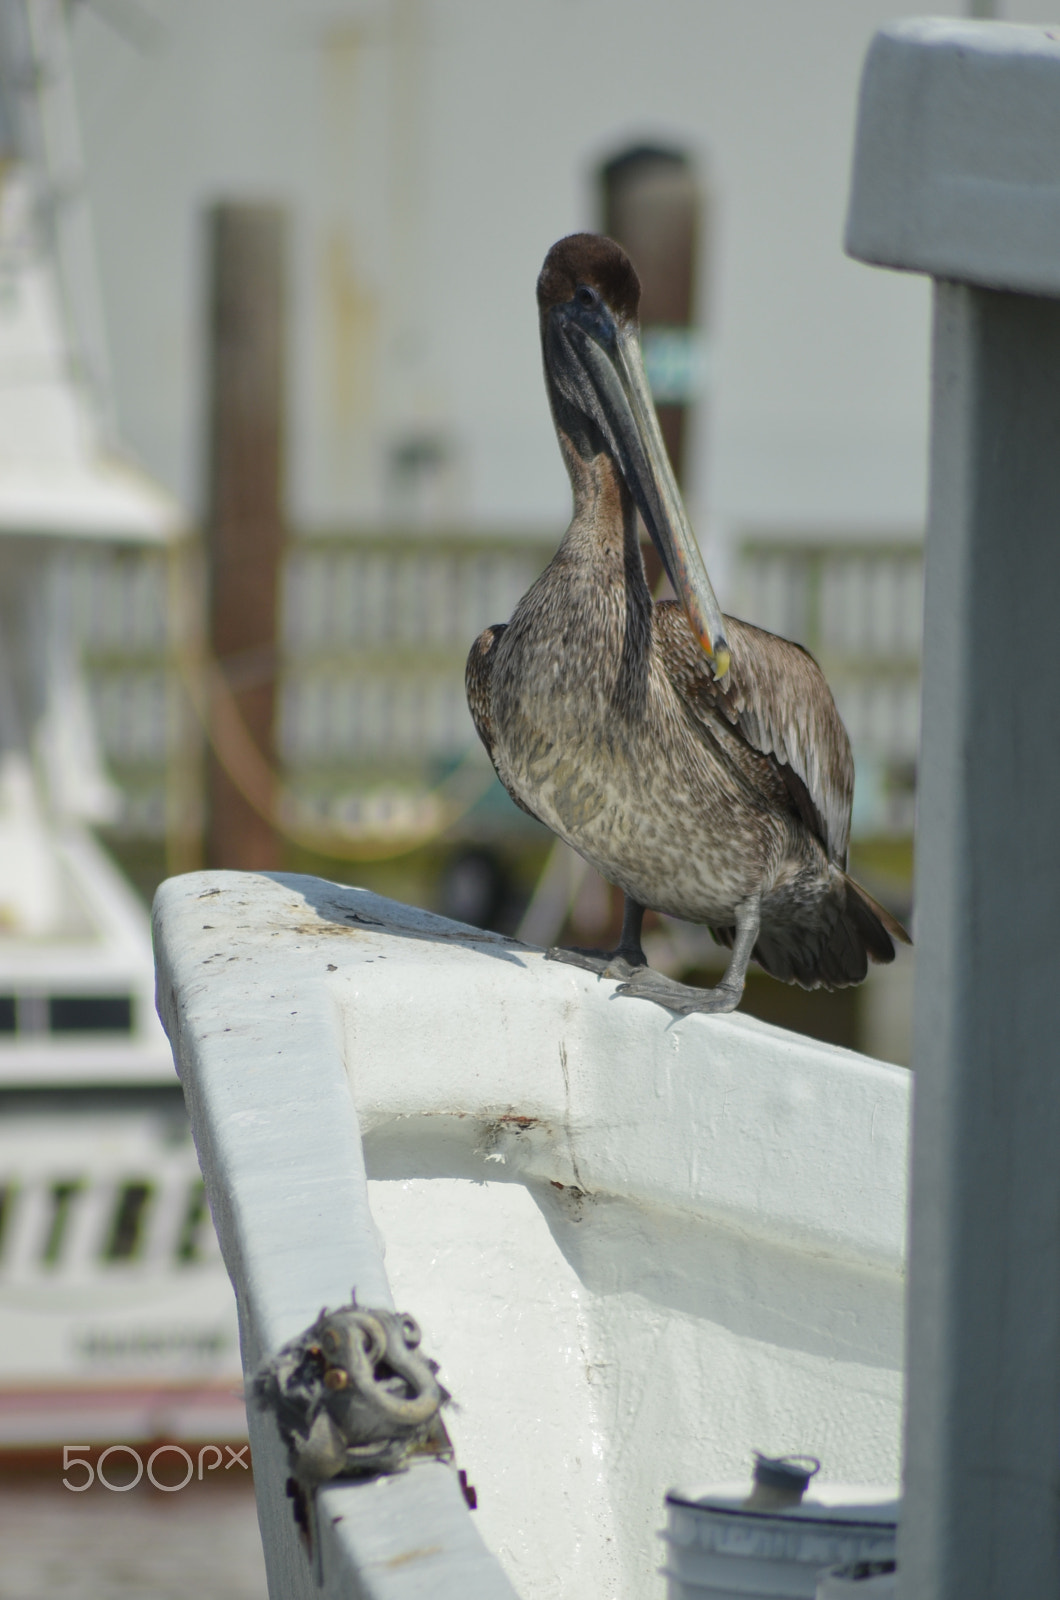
{"type": "Point", "coordinates": [586, 297]}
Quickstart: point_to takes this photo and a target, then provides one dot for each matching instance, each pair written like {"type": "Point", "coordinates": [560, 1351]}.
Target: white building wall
{"type": "Point", "coordinates": [431, 151]}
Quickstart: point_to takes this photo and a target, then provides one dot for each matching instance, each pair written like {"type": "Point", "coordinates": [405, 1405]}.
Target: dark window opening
{"type": "Point", "coordinates": [653, 205]}
{"type": "Point", "coordinates": [90, 1013]}
{"type": "Point", "coordinates": [63, 1195]}
{"type": "Point", "coordinates": [196, 1218]}
{"type": "Point", "coordinates": [8, 1013]}
{"type": "Point", "coordinates": [127, 1233]}
{"type": "Point", "coordinates": [7, 1205]}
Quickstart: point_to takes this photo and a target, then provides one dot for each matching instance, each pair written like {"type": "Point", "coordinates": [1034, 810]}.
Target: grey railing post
{"type": "Point", "coordinates": [956, 175]}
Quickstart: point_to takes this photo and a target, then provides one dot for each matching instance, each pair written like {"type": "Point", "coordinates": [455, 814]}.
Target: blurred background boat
{"type": "Point", "coordinates": [116, 1320]}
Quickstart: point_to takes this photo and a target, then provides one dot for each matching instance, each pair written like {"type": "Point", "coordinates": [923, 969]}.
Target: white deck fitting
{"type": "Point", "coordinates": [957, 174]}
{"type": "Point", "coordinates": [639, 1247]}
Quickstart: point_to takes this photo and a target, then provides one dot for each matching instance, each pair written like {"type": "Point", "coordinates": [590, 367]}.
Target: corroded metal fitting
{"type": "Point", "coordinates": [354, 1395]}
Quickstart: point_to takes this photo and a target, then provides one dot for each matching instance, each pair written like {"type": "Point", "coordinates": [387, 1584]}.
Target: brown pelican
{"type": "Point", "coordinates": [697, 762]}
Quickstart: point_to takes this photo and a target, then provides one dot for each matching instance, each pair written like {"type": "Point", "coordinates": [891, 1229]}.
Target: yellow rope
{"type": "Point", "coordinates": [222, 722]}
{"type": "Point", "coordinates": [217, 711]}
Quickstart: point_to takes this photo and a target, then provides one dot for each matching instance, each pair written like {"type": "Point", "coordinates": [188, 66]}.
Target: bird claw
{"type": "Point", "coordinates": [589, 960]}
{"type": "Point", "coordinates": [605, 963]}
{"type": "Point", "coordinates": [644, 984]}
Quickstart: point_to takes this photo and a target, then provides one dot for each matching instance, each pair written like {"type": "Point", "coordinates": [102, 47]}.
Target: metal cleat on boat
{"type": "Point", "coordinates": [354, 1396]}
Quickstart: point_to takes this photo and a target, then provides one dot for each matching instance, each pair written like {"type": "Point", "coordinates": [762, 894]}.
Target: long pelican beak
{"type": "Point", "coordinates": [623, 408]}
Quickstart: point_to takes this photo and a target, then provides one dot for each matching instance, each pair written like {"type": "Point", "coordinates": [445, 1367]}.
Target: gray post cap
{"type": "Point", "coordinates": [957, 155]}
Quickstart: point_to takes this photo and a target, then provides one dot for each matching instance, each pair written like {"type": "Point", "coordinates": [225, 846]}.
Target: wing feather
{"type": "Point", "coordinates": [777, 698]}
{"type": "Point", "coordinates": [477, 675]}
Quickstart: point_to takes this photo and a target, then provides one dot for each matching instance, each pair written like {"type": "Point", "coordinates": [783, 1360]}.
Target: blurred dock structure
{"type": "Point", "coordinates": [374, 631]}
{"type": "Point", "coordinates": [857, 606]}
{"type": "Point", "coordinates": [379, 775]}
{"type": "Point", "coordinates": [116, 1321]}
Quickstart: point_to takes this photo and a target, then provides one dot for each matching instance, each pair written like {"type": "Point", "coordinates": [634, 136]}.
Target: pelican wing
{"type": "Point", "coordinates": [777, 698]}
{"type": "Point", "coordinates": [477, 675]}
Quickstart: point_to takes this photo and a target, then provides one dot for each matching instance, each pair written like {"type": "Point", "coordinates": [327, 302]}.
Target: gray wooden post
{"type": "Point", "coordinates": [956, 175]}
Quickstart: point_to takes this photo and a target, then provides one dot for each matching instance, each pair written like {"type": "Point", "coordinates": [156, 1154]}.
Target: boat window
{"type": "Point", "coordinates": [90, 1013]}
{"type": "Point", "coordinates": [63, 1195]}
{"type": "Point", "coordinates": [127, 1233]}
{"type": "Point", "coordinates": [8, 1013]}
{"type": "Point", "coordinates": [196, 1219]}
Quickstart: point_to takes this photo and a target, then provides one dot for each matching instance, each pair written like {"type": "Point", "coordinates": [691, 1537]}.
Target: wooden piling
{"type": "Point", "coordinates": [245, 523]}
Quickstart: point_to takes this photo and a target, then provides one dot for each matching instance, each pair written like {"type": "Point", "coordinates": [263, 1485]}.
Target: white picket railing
{"type": "Point", "coordinates": [374, 631]}
{"type": "Point", "coordinates": [856, 605]}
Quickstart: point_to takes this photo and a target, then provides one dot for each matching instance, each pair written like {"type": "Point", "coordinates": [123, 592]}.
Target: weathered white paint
{"type": "Point", "coordinates": [639, 1247]}
{"type": "Point", "coordinates": [956, 175]}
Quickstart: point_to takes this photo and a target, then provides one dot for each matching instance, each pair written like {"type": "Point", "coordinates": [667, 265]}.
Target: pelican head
{"type": "Point", "coordinates": [588, 295]}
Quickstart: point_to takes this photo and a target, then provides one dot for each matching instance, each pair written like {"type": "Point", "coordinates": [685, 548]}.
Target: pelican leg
{"type": "Point", "coordinates": [644, 984]}
{"type": "Point", "coordinates": [621, 962]}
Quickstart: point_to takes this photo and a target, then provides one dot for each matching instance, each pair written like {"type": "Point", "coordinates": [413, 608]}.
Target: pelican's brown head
{"type": "Point", "coordinates": [587, 264]}
{"type": "Point", "coordinates": [588, 295]}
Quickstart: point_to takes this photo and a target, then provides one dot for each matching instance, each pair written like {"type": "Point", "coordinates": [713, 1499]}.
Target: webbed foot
{"type": "Point", "coordinates": [646, 984]}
